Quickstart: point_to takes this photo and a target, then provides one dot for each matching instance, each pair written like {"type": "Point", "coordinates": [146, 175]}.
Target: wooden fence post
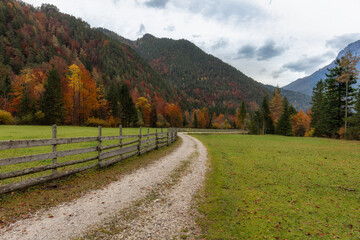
{"type": "Point", "coordinates": [54, 147]}
{"type": "Point", "coordinates": [99, 145]}
{"type": "Point", "coordinates": [156, 139]}
{"type": "Point", "coordinates": [139, 146]}
{"type": "Point", "coordinates": [120, 134]}
{"type": "Point", "coordinates": [148, 138]}
{"type": "Point", "coordinates": [168, 137]}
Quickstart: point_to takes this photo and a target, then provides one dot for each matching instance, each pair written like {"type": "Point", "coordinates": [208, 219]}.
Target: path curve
{"type": "Point", "coordinates": [71, 220]}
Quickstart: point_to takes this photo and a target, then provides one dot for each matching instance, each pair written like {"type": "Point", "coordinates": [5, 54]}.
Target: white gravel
{"type": "Point", "coordinates": [164, 218]}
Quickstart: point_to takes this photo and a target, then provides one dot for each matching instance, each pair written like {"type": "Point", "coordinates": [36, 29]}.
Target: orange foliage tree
{"type": "Point", "coordinates": [144, 109]}
{"type": "Point", "coordinates": [301, 123]}
{"type": "Point", "coordinates": [80, 98]}
{"type": "Point", "coordinates": [174, 115]}
{"type": "Point", "coordinates": [27, 89]}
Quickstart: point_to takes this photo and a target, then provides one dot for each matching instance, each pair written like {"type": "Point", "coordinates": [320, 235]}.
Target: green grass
{"type": "Point", "coordinates": [274, 187]}
{"type": "Point", "coordinates": [22, 203]}
{"type": "Point", "coordinates": [41, 132]}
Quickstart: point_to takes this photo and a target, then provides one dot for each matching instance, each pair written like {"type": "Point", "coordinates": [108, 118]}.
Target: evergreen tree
{"type": "Point", "coordinates": [354, 130]}
{"type": "Point", "coordinates": [51, 101]}
{"type": "Point", "coordinates": [121, 104]}
{"type": "Point", "coordinates": [318, 112]}
{"type": "Point", "coordinates": [256, 123]}
{"type": "Point", "coordinates": [196, 124]}
{"type": "Point", "coordinates": [268, 125]}
{"type": "Point", "coordinates": [284, 126]}
{"type": "Point", "coordinates": [335, 98]}
{"type": "Point", "coordinates": [128, 114]}
{"type": "Point", "coordinates": [242, 115]}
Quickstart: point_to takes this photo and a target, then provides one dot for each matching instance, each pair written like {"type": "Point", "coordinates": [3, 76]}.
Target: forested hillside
{"type": "Point", "coordinates": [200, 77]}
{"type": "Point", "coordinates": [35, 40]}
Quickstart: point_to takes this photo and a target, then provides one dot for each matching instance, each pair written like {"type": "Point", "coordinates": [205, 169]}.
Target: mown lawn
{"type": "Point", "coordinates": [274, 187]}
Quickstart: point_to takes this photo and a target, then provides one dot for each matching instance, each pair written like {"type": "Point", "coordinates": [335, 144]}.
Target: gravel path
{"type": "Point", "coordinates": [169, 215]}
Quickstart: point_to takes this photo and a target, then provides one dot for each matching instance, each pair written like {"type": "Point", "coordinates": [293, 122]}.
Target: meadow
{"type": "Point", "coordinates": [45, 132]}
{"type": "Point", "coordinates": [275, 187]}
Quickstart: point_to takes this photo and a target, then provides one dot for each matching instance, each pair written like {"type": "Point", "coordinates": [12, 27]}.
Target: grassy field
{"type": "Point", "coordinates": [20, 204]}
{"type": "Point", "coordinates": [36, 132]}
{"type": "Point", "coordinates": [274, 187]}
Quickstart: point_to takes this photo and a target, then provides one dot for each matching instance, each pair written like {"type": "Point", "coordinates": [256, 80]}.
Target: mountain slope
{"type": "Point", "coordinates": [38, 37]}
{"type": "Point", "coordinates": [306, 84]}
{"type": "Point", "coordinates": [297, 99]}
{"type": "Point", "coordinates": [201, 79]}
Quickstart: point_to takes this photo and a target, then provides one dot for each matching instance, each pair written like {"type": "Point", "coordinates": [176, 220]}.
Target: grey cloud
{"type": "Point", "coordinates": [276, 74]}
{"type": "Point", "coordinates": [221, 43]}
{"type": "Point", "coordinates": [308, 64]}
{"type": "Point", "coordinates": [142, 30]}
{"type": "Point", "coordinates": [269, 50]}
{"type": "Point", "coordinates": [224, 10]}
{"type": "Point", "coordinates": [340, 42]}
{"type": "Point", "coordinates": [157, 3]}
{"type": "Point", "coordinates": [170, 28]}
{"type": "Point", "coordinates": [246, 51]}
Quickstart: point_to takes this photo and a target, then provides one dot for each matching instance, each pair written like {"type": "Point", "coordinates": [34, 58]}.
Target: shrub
{"type": "Point", "coordinates": [5, 118]}
{"type": "Point", "coordinates": [94, 122]}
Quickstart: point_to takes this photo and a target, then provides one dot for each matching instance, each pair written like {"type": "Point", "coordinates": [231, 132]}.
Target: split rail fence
{"type": "Point", "coordinates": [55, 164]}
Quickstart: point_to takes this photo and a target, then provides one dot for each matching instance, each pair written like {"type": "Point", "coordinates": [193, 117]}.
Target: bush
{"type": "Point", "coordinates": [94, 122]}
{"type": "Point", "coordinates": [5, 118]}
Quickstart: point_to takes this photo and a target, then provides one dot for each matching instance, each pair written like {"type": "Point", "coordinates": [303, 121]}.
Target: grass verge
{"type": "Point", "coordinates": [21, 204]}
{"type": "Point", "coordinates": [274, 187]}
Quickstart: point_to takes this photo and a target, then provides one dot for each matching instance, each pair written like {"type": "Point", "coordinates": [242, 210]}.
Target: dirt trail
{"type": "Point", "coordinates": [167, 216]}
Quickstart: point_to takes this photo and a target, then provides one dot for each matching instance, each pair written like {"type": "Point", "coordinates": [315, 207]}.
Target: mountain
{"type": "Point", "coordinates": [40, 37]}
{"type": "Point", "coordinates": [305, 85]}
{"type": "Point", "coordinates": [201, 79]}
{"type": "Point", "coordinates": [198, 75]}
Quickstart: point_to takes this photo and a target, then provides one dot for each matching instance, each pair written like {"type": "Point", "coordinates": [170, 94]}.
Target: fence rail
{"type": "Point", "coordinates": [104, 155]}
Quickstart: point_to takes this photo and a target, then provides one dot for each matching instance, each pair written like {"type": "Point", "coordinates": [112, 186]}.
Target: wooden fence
{"type": "Point", "coordinates": [51, 168]}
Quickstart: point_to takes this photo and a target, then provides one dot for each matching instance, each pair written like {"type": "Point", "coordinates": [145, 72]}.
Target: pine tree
{"type": "Point", "coordinates": [338, 94]}
{"type": "Point", "coordinates": [128, 113]}
{"type": "Point", "coordinates": [268, 125]}
{"type": "Point", "coordinates": [318, 114]}
{"type": "Point", "coordinates": [242, 115]}
{"type": "Point", "coordinates": [354, 130]}
{"type": "Point", "coordinates": [284, 126]}
{"type": "Point", "coordinates": [51, 101]}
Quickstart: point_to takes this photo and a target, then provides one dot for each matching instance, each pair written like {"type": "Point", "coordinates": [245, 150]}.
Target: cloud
{"type": "Point", "coordinates": [277, 74]}
{"type": "Point", "coordinates": [142, 30]}
{"type": "Point", "coordinates": [269, 50]}
{"type": "Point", "coordinates": [309, 64]}
{"type": "Point", "coordinates": [340, 42]}
{"type": "Point", "coordinates": [223, 10]}
{"type": "Point", "coordinates": [221, 43]}
{"type": "Point", "coordinates": [157, 3]}
{"type": "Point", "coordinates": [170, 28]}
{"type": "Point", "coordinates": [246, 51]}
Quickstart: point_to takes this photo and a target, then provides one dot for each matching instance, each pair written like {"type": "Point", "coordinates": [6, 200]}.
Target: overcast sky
{"type": "Point", "coordinates": [273, 41]}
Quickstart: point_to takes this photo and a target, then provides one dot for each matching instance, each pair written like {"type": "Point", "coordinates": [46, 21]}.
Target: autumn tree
{"type": "Point", "coordinates": [144, 109]}
{"type": "Point", "coordinates": [300, 123]}
{"type": "Point", "coordinates": [348, 75]}
{"type": "Point", "coordinates": [174, 115]}
{"type": "Point", "coordinates": [275, 106]}
{"type": "Point", "coordinates": [80, 99]}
